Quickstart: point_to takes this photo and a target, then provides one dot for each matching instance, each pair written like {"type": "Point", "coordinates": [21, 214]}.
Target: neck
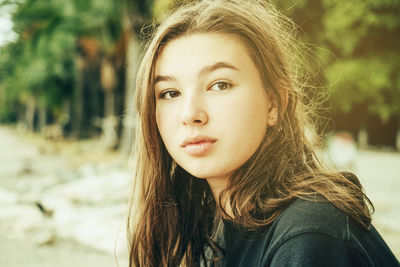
{"type": "Point", "coordinates": [217, 185]}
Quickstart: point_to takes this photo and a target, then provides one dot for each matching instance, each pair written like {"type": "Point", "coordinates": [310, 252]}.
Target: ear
{"type": "Point", "coordinates": [272, 118]}
{"type": "Point", "coordinates": [273, 109]}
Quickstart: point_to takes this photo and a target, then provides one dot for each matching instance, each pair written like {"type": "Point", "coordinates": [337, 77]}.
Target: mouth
{"type": "Point", "coordinates": [198, 145]}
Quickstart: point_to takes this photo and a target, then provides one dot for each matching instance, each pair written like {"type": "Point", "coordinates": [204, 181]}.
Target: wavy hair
{"type": "Point", "coordinates": [173, 215]}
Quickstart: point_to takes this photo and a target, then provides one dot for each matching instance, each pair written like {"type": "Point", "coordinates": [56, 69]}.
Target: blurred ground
{"type": "Point", "coordinates": [82, 190]}
{"type": "Point", "coordinates": [379, 173]}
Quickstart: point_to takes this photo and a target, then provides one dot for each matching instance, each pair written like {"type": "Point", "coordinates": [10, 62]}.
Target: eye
{"type": "Point", "coordinates": [169, 94]}
{"type": "Point", "coordinates": [220, 85]}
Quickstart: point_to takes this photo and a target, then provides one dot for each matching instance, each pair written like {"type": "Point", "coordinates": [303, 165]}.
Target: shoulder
{"type": "Point", "coordinates": [307, 233]}
{"type": "Point", "coordinates": [317, 233]}
{"type": "Point", "coordinates": [304, 219]}
{"type": "Point", "coordinates": [318, 216]}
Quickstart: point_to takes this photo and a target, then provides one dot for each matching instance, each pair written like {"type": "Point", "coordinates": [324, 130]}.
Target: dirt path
{"type": "Point", "coordinates": [18, 252]}
{"type": "Point", "coordinates": [379, 173]}
{"type": "Point", "coordinates": [26, 163]}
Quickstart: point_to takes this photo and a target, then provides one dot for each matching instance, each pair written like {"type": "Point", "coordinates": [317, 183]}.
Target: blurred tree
{"type": "Point", "coordinates": [38, 63]}
{"type": "Point", "coordinates": [363, 37]}
{"type": "Point", "coordinates": [69, 56]}
{"type": "Point", "coordinates": [59, 41]}
{"type": "Point", "coordinates": [136, 13]}
{"type": "Point", "coordinates": [366, 36]}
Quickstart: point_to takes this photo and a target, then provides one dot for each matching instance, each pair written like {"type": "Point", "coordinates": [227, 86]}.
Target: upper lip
{"type": "Point", "coordinates": [197, 139]}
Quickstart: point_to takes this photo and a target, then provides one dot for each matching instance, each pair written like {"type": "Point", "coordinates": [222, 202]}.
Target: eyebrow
{"type": "Point", "coordinates": [218, 65]}
{"type": "Point", "coordinates": [203, 71]}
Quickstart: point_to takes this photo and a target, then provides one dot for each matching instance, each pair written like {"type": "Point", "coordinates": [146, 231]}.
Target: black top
{"type": "Point", "coordinates": [306, 234]}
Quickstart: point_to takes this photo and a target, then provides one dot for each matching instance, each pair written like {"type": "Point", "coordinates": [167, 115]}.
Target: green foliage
{"type": "Point", "coordinates": [365, 36]}
{"type": "Point", "coordinates": [364, 39]}
{"type": "Point", "coordinates": [347, 24]}
{"type": "Point", "coordinates": [40, 63]}
{"type": "Point", "coordinates": [366, 80]}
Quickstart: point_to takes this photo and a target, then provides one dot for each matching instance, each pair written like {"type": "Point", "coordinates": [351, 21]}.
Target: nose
{"type": "Point", "coordinates": [193, 111]}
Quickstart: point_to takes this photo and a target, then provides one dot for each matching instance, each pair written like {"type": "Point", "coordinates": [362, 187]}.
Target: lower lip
{"type": "Point", "coordinates": [198, 149]}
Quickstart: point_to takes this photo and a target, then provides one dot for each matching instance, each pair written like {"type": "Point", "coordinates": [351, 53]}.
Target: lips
{"type": "Point", "coordinates": [198, 145]}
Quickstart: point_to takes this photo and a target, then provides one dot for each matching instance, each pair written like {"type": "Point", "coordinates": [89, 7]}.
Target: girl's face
{"type": "Point", "coordinates": [212, 111]}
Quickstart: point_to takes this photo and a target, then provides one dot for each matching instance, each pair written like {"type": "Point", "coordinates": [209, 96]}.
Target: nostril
{"type": "Point", "coordinates": [194, 117]}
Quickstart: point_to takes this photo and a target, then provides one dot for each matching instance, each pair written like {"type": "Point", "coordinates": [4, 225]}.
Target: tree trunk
{"type": "Point", "coordinates": [128, 121]}
{"type": "Point", "coordinates": [77, 109]}
{"type": "Point", "coordinates": [362, 138]}
{"type": "Point", "coordinates": [30, 113]}
{"type": "Point", "coordinates": [110, 121]}
{"type": "Point", "coordinates": [109, 99]}
{"type": "Point", "coordinates": [3, 101]}
{"type": "Point", "coordinates": [108, 82]}
{"type": "Point", "coordinates": [398, 134]}
{"type": "Point", "coordinates": [41, 117]}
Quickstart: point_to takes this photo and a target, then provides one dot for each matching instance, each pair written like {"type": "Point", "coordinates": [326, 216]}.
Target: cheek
{"type": "Point", "coordinates": [250, 129]}
{"type": "Point", "coordinates": [165, 124]}
{"type": "Point", "coordinates": [253, 118]}
{"type": "Point", "coordinates": [244, 117]}
{"type": "Point", "coordinates": [161, 123]}
{"type": "Point", "coordinates": [158, 119]}
{"type": "Point", "coordinates": [243, 124]}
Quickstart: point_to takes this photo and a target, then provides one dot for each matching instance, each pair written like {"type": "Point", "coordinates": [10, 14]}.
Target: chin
{"type": "Point", "coordinates": [205, 169]}
{"type": "Point", "coordinates": [198, 174]}
{"type": "Point", "coordinates": [203, 174]}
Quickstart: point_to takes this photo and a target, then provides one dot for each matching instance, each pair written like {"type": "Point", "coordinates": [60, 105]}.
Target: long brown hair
{"type": "Point", "coordinates": [173, 214]}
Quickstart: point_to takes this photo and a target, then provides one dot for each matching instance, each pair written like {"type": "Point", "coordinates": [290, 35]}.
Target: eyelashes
{"type": "Point", "coordinates": [169, 94]}
{"type": "Point", "coordinates": [216, 86]}
{"type": "Point", "coordinates": [220, 86]}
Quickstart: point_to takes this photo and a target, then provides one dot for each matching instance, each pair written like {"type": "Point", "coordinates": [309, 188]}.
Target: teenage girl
{"type": "Point", "coordinates": [225, 173]}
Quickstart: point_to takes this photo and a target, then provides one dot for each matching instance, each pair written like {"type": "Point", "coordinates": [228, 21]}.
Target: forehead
{"type": "Point", "coordinates": [193, 51]}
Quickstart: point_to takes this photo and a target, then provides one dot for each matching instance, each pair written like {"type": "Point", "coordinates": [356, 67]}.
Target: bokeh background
{"type": "Point", "coordinates": [67, 74]}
